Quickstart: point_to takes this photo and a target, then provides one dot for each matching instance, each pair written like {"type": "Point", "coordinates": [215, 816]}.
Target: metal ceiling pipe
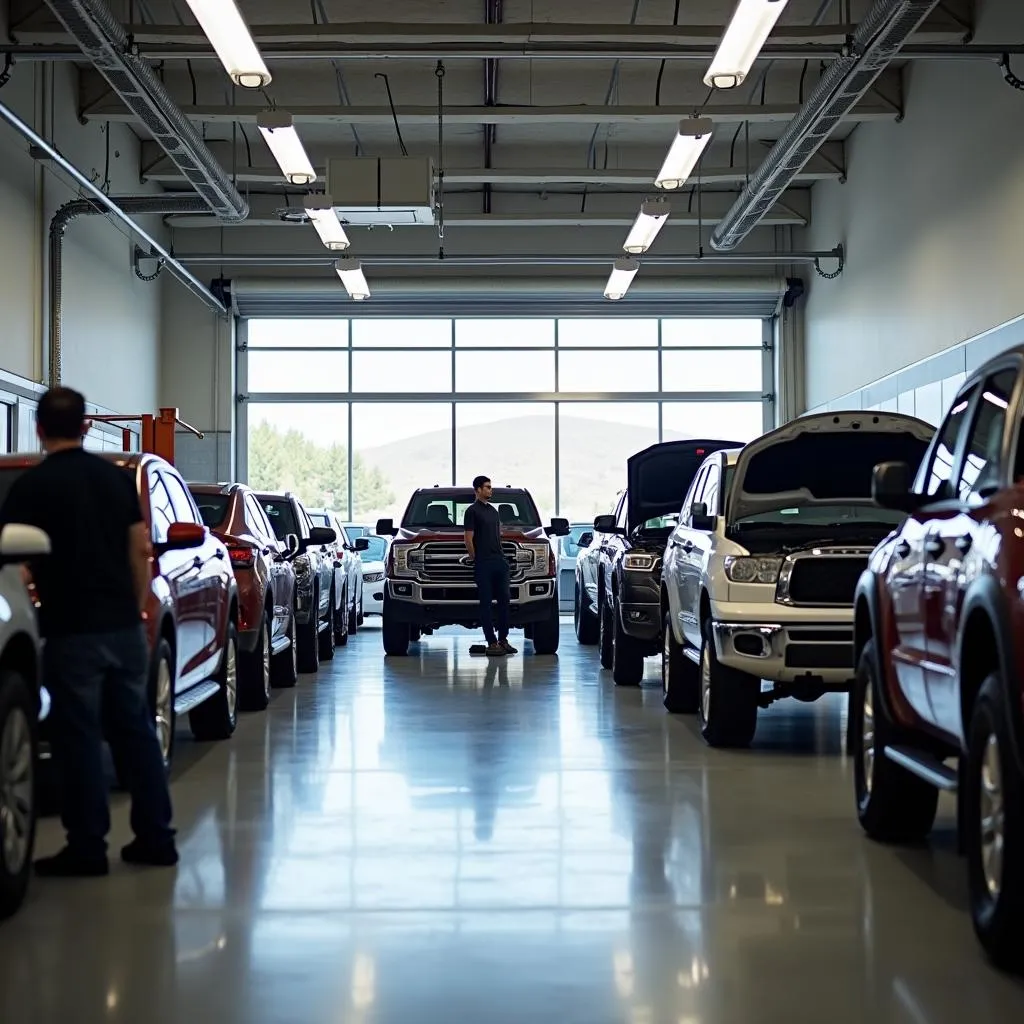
{"type": "Point", "coordinates": [105, 43]}
{"type": "Point", "coordinates": [58, 227]}
{"type": "Point", "coordinates": [874, 45]}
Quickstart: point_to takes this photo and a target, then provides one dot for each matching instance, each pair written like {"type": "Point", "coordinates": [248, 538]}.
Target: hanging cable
{"type": "Point", "coordinates": [106, 163]}
{"type": "Point", "coordinates": [612, 85]}
{"type": "Point", "coordinates": [394, 113]}
{"type": "Point", "coordinates": [439, 71]}
{"type": "Point", "coordinates": [661, 70]}
{"type": "Point", "coordinates": [315, 7]}
{"type": "Point", "coordinates": [5, 75]}
{"type": "Point", "coordinates": [1008, 76]}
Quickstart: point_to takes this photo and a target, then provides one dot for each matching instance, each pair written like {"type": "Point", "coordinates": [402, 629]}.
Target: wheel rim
{"type": "Point", "coordinates": [868, 736]}
{"type": "Point", "coordinates": [666, 653]}
{"type": "Point", "coordinates": [705, 683]}
{"type": "Point", "coordinates": [992, 817]}
{"type": "Point", "coordinates": [164, 710]}
{"type": "Point", "coordinates": [16, 790]}
{"type": "Point", "coordinates": [231, 677]}
{"type": "Point", "coordinates": [266, 660]}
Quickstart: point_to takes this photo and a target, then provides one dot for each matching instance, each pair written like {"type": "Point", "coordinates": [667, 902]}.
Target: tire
{"type": "Point", "coordinates": [604, 634]}
{"type": "Point", "coordinates": [355, 620]}
{"type": "Point", "coordinates": [627, 659]}
{"type": "Point", "coordinates": [284, 667]}
{"type": "Point", "coordinates": [309, 639]}
{"type": "Point", "coordinates": [584, 620]}
{"type": "Point", "coordinates": [161, 698]}
{"type": "Point", "coordinates": [255, 672]}
{"type": "Point", "coordinates": [19, 750]}
{"type": "Point", "coordinates": [680, 678]}
{"type": "Point", "coordinates": [361, 617]}
{"type": "Point", "coordinates": [546, 632]}
{"type": "Point", "coordinates": [727, 709]}
{"type": "Point", "coordinates": [994, 791]}
{"type": "Point", "coordinates": [216, 718]}
{"type": "Point", "coordinates": [342, 623]}
{"type": "Point", "coordinates": [394, 635]}
{"type": "Point", "coordinates": [325, 637]}
{"type": "Point", "coordinates": [893, 805]}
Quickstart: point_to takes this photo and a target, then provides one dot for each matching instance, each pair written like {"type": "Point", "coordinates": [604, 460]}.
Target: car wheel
{"type": "Point", "coordinates": [727, 708]}
{"type": "Point", "coordinates": [680, 677]}
{"type": "Point", "coordinates": [893, 805]}
{"type": "Point", "coordinates": [255, 671]}
{"type": "Point", "coordinates": [627, 659]}
{"type": "Point", "coordinates": [994, 808]}
{"type": "Point", "coordinates": [325, 637]}
{"type": "Point", "coordinates": [18, 753]}
{"type": "Point", "coordinates": [604, 634]}
{"type": "Point", "coordinates": [354, 620]}
{"type": "Point", "coordinates": [584, 620]}
{"type": "Point", "coordinates": [394, 635]}
{"type": "Point", "coordinates": [285, 666]}
{"type": "Point", "coordinates": [546, 632]}
{"type": "Point", "coordinates": [361, 616]}
{"type": "Point", "coordinates": [161, 698]}
{"type": "Point", "coordinates": [342, 622]}
{"type": "Point", "coordinates": [309, 639]}
{"type": "Point", "coordinates": [217, 716]}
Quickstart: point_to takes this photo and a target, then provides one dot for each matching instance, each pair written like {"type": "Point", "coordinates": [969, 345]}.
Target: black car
{"type": "Point", "coordinates": [618, 576]}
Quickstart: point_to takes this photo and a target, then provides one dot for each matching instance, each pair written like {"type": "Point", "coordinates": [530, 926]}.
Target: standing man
{"type": "Point", "coordinates": [483, 542]}
{"type": "Point", "coordinates": [93, 588]}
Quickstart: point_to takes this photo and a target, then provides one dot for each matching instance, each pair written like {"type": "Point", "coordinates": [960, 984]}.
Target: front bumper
{"type": "Point", "coordinates": [373, 597]}
{"type": "Point", "coordinates": [304, 609]}
{"type": "Point", "coordinates": [458, 604]}
{"type": "Point", "coordinates": [640, 605]}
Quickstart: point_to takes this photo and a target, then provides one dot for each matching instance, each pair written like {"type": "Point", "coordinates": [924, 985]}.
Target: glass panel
{"type": "Point", "coordinates": [411, 333]}
{"type": "Point", "coordinates": [711, 371]}
{"type": "Point", "coordinates": [595, 439]}
{"type": "Point", "coordinates": [397, 448]}
{"type": "Point", "coordinates": [298, 333]}
{"type": "Point", "coordinates": [928, 402]}
{"type": "Point", "coordinates": [300, 448]}
{"type": "Point", "coordinates": [505, 333]}
{"type": "Point", "coordinates": [607, 371]}
{"type": "Point", "coordinates": [717, 333]}
{"type": "Point", "coordinates": [938, 477]}
{"type": "Point", "coordinates": [504, 371]}
{"type": "Point", "coordinates": [513, 444]}
{"type": "Point", "coordinates": [982, 469]}
{"type": "Point", "coordinates": [402, 372]}
{"type": "Point", "coordinates": [288, 372]}
{"type": "Point", "coordinates": [607, 333]}
{"type": "Point", "coordinates": [716, 421]}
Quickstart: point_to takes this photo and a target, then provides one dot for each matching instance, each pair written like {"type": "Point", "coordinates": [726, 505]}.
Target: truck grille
{"type": "Point", "coordinates": [439, 562]}
{"type": "Point", "coordinates": [825, 579]}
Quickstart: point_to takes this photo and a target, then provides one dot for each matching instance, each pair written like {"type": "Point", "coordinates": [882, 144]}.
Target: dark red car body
{"type": "Point", "coordinates": [939, 638]}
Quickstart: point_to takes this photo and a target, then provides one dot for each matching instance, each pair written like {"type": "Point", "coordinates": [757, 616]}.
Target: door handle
{"type": "Point", "coordinates": [903, 549]}
{"type": "Point", "coordinates": [963, 544]}
{"type": "Point", "coordinates": [934, 545]}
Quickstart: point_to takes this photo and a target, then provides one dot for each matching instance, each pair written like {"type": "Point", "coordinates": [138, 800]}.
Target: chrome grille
{"type": "Point", "coordinates": [439, 561]}
{"type": "Point", "coordinates": [825, 577]}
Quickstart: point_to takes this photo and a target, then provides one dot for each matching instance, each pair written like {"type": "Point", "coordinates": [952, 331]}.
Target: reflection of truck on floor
{"type": "Point", "coordinates": [428, 586]}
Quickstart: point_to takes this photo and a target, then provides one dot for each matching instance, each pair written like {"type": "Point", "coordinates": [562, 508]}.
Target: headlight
{"type": "Point", "coordinates": [539, 555]}
{"type": "Point", "coordinates": [373, 577]}
{"type": "Point", "coordinates": [639, 562]}
{"type": "Point", "coordinates": [752, 569]}
{"type": "Point", "coordinates": [400, 557]}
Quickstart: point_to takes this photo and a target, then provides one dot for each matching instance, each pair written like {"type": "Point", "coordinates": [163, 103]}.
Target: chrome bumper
{"type": "Point", "coordinates": [412, 591]}
{"type": "Point", "coordinates": [788, 653]}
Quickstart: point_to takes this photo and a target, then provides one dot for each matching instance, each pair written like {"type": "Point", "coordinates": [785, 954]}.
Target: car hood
{"type": "Point", "coordinates": [412, 534]}
{"type": "Point", "coordinates": [659, 477]}
{"type": "Point", "coordinates": [824, 459]}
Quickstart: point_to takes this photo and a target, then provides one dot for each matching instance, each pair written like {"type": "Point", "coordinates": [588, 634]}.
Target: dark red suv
{"type": "Point", "coordinates": [266, 588]}
{"type": "Point", "coordinates": [939, 641]}
{"type": "Point", "coordinates": [192, 616]}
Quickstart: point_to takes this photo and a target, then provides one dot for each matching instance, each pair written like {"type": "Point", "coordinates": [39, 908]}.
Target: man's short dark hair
{"type": "Point", "coordinates": [61, 414]}
{"type": "Point", "coordinates": [479, 481]}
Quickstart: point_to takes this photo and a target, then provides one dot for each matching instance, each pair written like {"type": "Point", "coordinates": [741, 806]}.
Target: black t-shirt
{"type": "Point", "coordinates": [485, 523]}
{"type": "Point", "coordinates": [86, 505]}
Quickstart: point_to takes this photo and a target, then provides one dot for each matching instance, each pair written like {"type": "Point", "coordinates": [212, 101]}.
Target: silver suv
{"type": "Point", "coordinates": [19, 712]}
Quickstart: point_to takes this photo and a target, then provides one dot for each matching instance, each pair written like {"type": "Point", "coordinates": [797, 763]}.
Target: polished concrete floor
{"type": "Point", "coordinates": [447, 839]}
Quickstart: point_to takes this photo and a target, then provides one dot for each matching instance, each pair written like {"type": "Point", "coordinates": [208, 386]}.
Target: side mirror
{"type": "Point", "coordinates": [19, 542]}
{"type": "Point", "coordinates": [361, 544]}
{"type": "Point", "coordinates": [321, 535]}
{"type": "Point", "coordinates": [291, 545]}
{"type": "Point", "coordinates": [385, 528]}
{"type": "Point", "coordinates": [605, 524]}
{"type": "Point", "coordinates": [699, 518]}
{"type": "Point", "coordinates": [586, 539]}
{"type": "Point", "coordinates": [559, 528]}
{"type": "Point", "coordinates": [182, 536]}
{"type": "Point", "coordinates": [890, 487]}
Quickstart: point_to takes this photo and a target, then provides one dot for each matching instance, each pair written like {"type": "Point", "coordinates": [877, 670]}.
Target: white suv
{"type": "Point", "coordinates": [19, 713]}
{"type": "Point", "coordinates": [759, 575]}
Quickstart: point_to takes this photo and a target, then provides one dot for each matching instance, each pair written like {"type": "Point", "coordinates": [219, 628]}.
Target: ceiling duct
{"type": "Point", "coordinates": [94, 28]}
{"type": "Point", "coordinates": [873, 46]}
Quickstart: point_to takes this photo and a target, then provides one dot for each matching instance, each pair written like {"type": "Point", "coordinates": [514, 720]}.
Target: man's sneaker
{"type": "Point", "coordinates": [509, 649]}
{"type": "Point", "coordinates": [137, 852]}
{"type": "Point", "coordinates": [495, 650]}
{"type": "Point", "coordinates": [71, 864]}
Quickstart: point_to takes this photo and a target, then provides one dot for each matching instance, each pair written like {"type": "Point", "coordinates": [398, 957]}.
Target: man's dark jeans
{"type": "Point", "coordinates": [99, 680]}
{"type": "Point", "coordinates": [492, 584]}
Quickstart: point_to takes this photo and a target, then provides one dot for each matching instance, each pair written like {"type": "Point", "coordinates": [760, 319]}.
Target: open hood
{"type": "Point", "coordinates": [659, 477]}
{"type": "Point", "coordinates": [824, 459]}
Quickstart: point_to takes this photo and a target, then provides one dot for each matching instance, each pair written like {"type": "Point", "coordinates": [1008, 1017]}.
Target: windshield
{"type": "Point", "coordinates": [357, 531]}
{"type": "Point", "coordinates": [320, 518]}
{"type": "Point", "coordinates": [376, 551]}
{"type": "Point", "coordinates": [833, 516]}
{"type": "Point", "coordinates": [212, 507]}
{"type": "Point", "coordinates": [281, 515]}
{"type": "Point", "coordinates": [448, 509]}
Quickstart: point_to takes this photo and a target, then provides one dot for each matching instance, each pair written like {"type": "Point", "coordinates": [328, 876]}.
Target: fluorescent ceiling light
{"type": "Point", "coordinates": [648, 223]}
{"type": "Point", "coordinates": [278, 130]}
{"type": "Point", "coordinates": [752, 23]}
{"type": "Point", "coordinates": [690, 142]}
{"type": "Point", "coordinates": [353, 278]}
{"type": "Point", "coordinates": [621, 277]}
{"type": "Point", "coordinates": [229, 35]}
{"type": "Point", "coordinates": [321, 213]}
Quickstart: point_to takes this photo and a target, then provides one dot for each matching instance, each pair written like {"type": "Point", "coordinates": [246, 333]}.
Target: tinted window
{"type": "Point", "coordinates": [160, 508]}
{"type": "Point", "coordinates": [940, 469]}
{"type": "Point", "coordinates": [376, 551]}
{"type": "Point", "coordinates": [181, 500]}
{"type": "Point", "coordinates": [427, 508]}
{"type": "Point", "coordinates": [256, 520]}
{"type": "Point", "coordinates": [570, 544]}
{"type": "Point", "coordinates": [696, 490]}
{"type": "Point", "coordinates": [320, 518]}
{"type": "Point", "coordinates": [213, 508]}
{"type": "Point", "coordinates": [281, 515]}
{"type": "Point", "coordinates": [710, 496]}
{"type": "Point", "coordinates": [982, 457]}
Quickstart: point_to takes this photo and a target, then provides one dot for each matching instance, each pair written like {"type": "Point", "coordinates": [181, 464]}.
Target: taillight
{"type": "Point", "coordinates": [242, 557]}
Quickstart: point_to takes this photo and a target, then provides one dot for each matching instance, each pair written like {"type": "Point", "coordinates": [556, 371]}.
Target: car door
{"type": "Point", "coordinates": [281, 573]}
{"type": "Point", "coordinates": [320, 562]}
{"type": "Point", "coordinates": [688, 548]}
{"type": "Point", "coordinates": [905, 577]}
{"type": "Point", "coordinates": [954, 532]}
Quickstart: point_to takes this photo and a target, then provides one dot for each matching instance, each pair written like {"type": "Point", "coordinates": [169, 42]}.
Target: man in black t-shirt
{"type": "Point", "coordinates": [483, 541]}
{"type": "Point", "coordinates": [93, 588]}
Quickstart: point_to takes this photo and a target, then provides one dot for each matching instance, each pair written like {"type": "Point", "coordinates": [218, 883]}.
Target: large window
{"type": "Point", "coordinates": [355, 414]}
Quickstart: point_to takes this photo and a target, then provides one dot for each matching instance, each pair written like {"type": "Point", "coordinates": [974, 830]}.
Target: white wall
{"type": "Point", "coordinates": [111, 319]}
{"type": "Point", "coordinates": [933, 220]}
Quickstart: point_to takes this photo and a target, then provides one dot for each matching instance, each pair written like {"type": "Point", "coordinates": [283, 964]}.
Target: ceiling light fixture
{"type": "Point", "coordinates": [649, 221]}
{"type": "Point", "coordinates": [752, 22]}
{"type": "Point", "coordinates": [353, 278]}
{"type": "Point", "coordinates": [322, 215]}
{"type": "Point", "coordinates": [230, 37]}
{"type": "Point", "coordinates": [687, 147]}
{"type": "Point", "coordinates": [278, 130]}
{"type": "Point", "coordinates": [621, 277]}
